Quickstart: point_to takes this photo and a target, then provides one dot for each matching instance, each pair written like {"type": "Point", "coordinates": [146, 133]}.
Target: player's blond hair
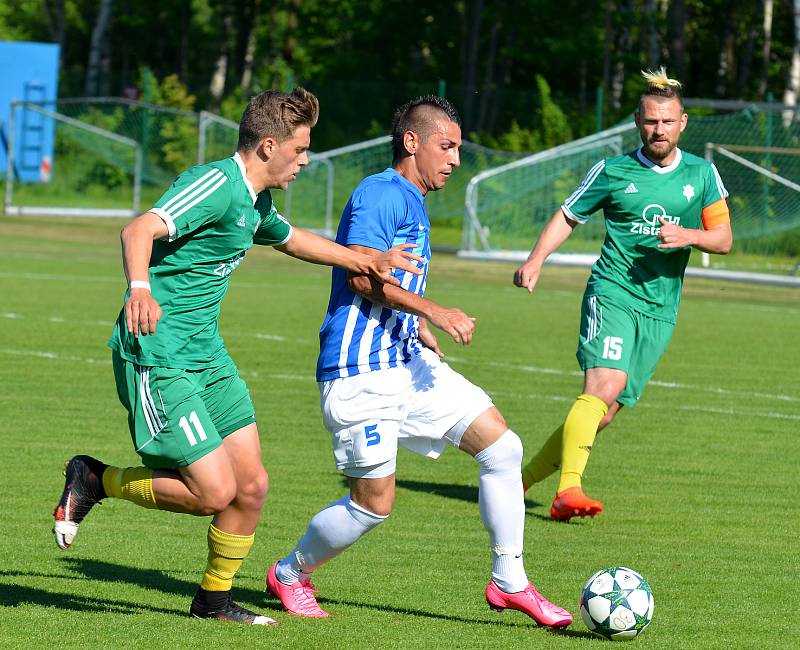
{"type": "Point", "coordinates": [660, 85]}
{"type": "Point", "coordinates": [276, 114]}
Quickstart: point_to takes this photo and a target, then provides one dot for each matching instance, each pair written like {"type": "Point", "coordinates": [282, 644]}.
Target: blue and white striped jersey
{"type": "Point", "coordinates": [358, 336]}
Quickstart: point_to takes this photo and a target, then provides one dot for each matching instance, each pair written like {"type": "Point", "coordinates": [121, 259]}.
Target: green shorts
{"type": "Point", "coordinates": [614, 335]}
{"type": "Point", "coordinates": [177, 416]}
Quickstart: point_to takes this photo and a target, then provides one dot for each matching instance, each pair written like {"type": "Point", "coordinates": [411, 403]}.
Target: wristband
{"type": "Point", "coordinates": [139, 284]}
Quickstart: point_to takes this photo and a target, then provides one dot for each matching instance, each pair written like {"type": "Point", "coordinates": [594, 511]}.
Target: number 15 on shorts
{"type": "Point", "coordinates": [612, 348]}
{"type": "Point", "coordinates": [373, 437]}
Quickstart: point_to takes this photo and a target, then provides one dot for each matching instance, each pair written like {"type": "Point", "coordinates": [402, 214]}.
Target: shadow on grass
{"type": "Point", "coordinates": [520, 622]}
{"type": "Point", "coordinates": [14, 595]}
{"type": "Point", "coordinates": [108, 572]}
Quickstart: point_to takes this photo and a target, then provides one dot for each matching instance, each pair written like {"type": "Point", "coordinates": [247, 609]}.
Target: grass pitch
{"type": "Point", "coordinates": [699, 481]}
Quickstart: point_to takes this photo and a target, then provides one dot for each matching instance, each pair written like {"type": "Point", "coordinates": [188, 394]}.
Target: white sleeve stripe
{"type": "Point", "coordinates": [200, 198]}
{"type": "Point", "coordinates": [167, 220]}
{"type": "Point", "coordinates": [178, 208]}
{"type": "Point", "coordinates": [180, 195]}
{"type": "Point", "coordinates": [287, 238]}
{"type": "Point", "coordinates": [720, 187]}
{"type": "Point", "coordinates": [572, 215]}
{"type": "Point", "coordinates": [594, 172]}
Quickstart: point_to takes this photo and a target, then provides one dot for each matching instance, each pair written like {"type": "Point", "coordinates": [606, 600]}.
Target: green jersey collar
{"type": "Point", "coordinates": [658, 168]}
{"type": "Point", "coordinates": [243, 169]}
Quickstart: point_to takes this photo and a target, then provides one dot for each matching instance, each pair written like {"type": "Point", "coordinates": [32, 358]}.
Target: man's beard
{"type": "Point", "coordinates": [657, 151]}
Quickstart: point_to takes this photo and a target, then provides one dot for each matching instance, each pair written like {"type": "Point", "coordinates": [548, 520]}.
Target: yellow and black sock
{"type": "Point", "coordinates": [580, 429]}
{"type": "Point", "coordinates": [226, 552]}
{"type": "Point", "coordinates": [546, 461]}
{"type": "Point", "coordinates": [134, 484]}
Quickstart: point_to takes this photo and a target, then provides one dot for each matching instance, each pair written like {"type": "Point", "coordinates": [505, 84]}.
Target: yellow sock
{"type": "Point", "coordinates": [580, 429]}
{"type": "Point", "coordinates": [546, 461]}
{"type": "Point", "coordinates": [225, 554]}
{"type": "Point", "coordinates": [134, 484]}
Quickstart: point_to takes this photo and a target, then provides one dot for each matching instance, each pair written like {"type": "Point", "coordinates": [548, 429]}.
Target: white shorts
{"type": "Point", "coordinates": [424, 405]}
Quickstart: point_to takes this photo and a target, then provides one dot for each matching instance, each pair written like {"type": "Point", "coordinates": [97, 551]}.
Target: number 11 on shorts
{"type": "Point", "coordinates": [373, 437]}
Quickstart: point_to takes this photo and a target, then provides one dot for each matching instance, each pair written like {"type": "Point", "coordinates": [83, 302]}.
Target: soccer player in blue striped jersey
{"type": "Point", "coordinates": [658, 203]}
{"type": "Point", "coordinates": [190, 415]}
{"type": "Point", "coordinates": [383, 383]}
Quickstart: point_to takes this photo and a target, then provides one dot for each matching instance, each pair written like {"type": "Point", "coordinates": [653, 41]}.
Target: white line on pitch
{"type": "Point", "coordinates": [58, 319]}
{"type": "Point", "coordinates": [656, 405]}
{"type": "Point", "coordinates": [55, 356]}
{"type": "Point", "coordinates": [62, 278]}
{"type": "Point", "coordinates": [655, 382]}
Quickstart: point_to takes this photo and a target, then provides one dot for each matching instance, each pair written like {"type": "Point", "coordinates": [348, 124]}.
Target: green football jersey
{"type": "Point", "coordinates": [633, 193]}
{"type": "Point", "coordinates": [214, 216]}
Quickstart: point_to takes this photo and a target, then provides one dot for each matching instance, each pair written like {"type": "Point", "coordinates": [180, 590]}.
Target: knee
{"type": "Point", "coordinates": [375, 497]}
{"type": "Point", "coordinates": [367, 517]}
{"type": "Point", "coordinates": [502, 455]}
{"type": "Point", "coordinates": [376, 504]}
{"type": "Point", "coordinates": [252, 490]}
{"type": "Point", "coordinates": [214, 501]}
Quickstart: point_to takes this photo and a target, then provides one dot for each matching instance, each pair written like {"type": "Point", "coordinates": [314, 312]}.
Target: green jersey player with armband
{"type": "Point", "coordinates": [190, 415]}
{"type": "Point", "coordinates": [658, 202]}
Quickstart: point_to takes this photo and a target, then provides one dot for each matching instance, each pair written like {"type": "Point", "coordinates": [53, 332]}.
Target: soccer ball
{"type": "Point", "coordinates": [617, 603]}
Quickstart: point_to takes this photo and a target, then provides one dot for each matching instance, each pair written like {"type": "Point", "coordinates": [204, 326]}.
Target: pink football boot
{"type": "Point", "coordinates": [530, 602]}
{"type": "Point", "coordinates": [298, 598]}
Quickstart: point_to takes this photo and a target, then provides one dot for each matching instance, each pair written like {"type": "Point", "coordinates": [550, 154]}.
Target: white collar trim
{"type": "Point", "coordinates": [658, 168]}
{"type": "Point", "coordinates": [243, 169]}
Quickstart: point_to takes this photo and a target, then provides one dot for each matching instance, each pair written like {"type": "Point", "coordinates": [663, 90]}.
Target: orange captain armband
{"type": "Point", "coordinates": [715, 214]}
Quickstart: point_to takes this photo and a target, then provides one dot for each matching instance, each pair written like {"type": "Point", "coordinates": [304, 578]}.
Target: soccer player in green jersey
{"type": "Point", "coordinates": [190, 415]}
{"type": "Point", "coordinates": [658, 202]}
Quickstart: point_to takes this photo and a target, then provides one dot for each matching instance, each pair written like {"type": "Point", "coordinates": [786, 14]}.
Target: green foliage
{"type": "Point", "coordinates": [88, 163]}
{"type": "Point", "coordinates": [555, 128]}
{"type": "Point", "coordinates": [489, 54]}
{"type": "Point", "coordinates": [178, 135]}
{"type": "Point", "coordinates": [551, 127]}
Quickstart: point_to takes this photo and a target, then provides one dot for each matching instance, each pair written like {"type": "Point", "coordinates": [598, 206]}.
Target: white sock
{"type": "Point", "coordinates": [502, 506]}
{"type": "Point", "coordinates": [330, 532]}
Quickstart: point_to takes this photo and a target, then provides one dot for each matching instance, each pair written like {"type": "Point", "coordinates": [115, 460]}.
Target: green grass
{"type": "Point", "coordinates": [699, 480]}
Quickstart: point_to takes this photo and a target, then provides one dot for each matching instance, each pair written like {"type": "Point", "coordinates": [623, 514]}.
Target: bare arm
{"type": "Point", "coordinates": [451, 320]}
{"type": "Point", "coordinates": [718, 239]}
{"type": "Point", "coordinates": [142, 312]}
{"type": "Point", "coordinates": [428, 338]}
{"type": "Point", "coordinates": [309, 247]}
{"type": "Point", "coordinates": [554, 234]}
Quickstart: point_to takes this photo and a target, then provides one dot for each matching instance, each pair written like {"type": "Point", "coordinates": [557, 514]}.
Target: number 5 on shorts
{"type": "Point", "coordinates": [373, 437]}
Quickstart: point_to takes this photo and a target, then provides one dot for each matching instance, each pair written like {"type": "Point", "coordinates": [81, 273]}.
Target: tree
{"type": "Point", "coordinates": [98, 42]}
{"type": "Point", "coordinates": [793, 81]}
{"type": "Point", "coordinates": [765, 51]}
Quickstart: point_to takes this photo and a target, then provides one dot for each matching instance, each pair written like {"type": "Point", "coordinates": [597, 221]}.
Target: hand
{"type": "Point", "coordinates": [455, 322]}
{"type": "Point", "coordinates": [142, 313]}
{"type": "Point", "coordinates": [672, 236]}
{"type": "Point", "coordinates": [427, 338]}
{"type": "Point", "coordinates": [397, 257]}
{"type": "Point", "coordinates": [527, 275]}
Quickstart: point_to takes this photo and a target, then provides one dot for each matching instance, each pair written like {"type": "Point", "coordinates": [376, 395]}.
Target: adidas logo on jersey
{"type": "Point", "coordinates": [242, 222]}
{"type": "Point", "coordinates": [631, 189]}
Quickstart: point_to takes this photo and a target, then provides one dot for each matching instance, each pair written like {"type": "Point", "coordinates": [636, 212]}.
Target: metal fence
{"type": "Point", "coordinates": [756, 153]}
